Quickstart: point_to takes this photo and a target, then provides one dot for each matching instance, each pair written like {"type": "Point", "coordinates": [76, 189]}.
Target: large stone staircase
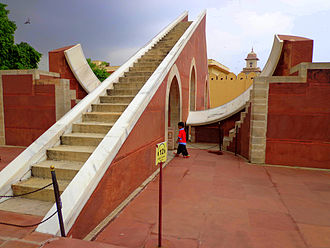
{"type": "Point", "coordinates": [76, 147]}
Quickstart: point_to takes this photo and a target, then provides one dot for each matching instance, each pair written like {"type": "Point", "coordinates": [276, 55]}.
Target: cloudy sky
{"type": "Point", "coordinates": [114, 30]}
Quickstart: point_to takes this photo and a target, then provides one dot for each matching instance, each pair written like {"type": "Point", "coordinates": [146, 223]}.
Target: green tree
{"type": "Point", "coordinates": [99, 71]}
{"type": "Point", "coordinates": [14, 56]}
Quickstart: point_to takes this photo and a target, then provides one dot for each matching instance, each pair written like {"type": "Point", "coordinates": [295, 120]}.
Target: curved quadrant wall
{"type": "Point", "coordinates": [204, 117]}
{"type": "Point", "coordinates": [80, 68]}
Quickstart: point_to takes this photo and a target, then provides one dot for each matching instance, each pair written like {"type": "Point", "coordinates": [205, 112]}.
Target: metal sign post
{"type": "Point", "coordinates": [236, 133]}
{"type": "Point", "coordinates": [160, 203]}
{"type": "Point", "coordinates": [161, 156]}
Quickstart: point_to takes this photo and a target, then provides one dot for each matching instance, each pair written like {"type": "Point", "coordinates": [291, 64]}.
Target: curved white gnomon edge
{"type": "Point", "coordinates": [273, 58]}
{"type": "Point", "coordinates": [84, 183]}
{"type": "Point", "coordinates": [81, 69]}
{"type": "Point", "coordinates": [204, 117]}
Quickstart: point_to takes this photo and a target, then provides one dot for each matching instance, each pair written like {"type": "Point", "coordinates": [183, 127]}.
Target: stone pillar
{"type": "Point", "coordinates": [170, 139]}
{"type": "Point", "coordinates": [62, 98]}
{"type": "Point", "coordinates": [259, 111]}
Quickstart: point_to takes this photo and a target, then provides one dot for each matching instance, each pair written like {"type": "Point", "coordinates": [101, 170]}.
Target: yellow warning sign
{"type": "Point", "coordinates": [161, 152]}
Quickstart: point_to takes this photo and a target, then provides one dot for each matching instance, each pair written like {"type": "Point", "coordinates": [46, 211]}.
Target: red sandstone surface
{"type": "Point", "coordinates": [135, 160]}
{"type": "Point", "coordinates": [210, 201]}
{"type": "Point", "coordinates": [29, 109]}
{"type": "Point", "coordinates": [221, 201]}
{"type": "Point", "coordinates": [7, 154]}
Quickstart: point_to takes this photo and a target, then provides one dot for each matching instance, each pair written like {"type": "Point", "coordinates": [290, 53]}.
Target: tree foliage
{"type": "Point", "coordinates": [14, 56]}
{"type": "Point", "coordinates": [99, 71]}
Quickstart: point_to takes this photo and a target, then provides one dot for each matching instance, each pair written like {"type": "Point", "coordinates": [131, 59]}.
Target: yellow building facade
{"type": "Point", "coordinates": [226, 87]}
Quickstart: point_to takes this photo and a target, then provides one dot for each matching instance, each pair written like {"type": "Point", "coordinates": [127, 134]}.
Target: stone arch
{"type": "Point", "coordinates": [192, 85]}
{"type": "Point", "coordinates": [173, 104]}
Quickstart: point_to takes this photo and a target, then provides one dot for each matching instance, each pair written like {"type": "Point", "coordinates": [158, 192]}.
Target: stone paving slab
{"type": "Point", "coordinates": [7, 232]}
{"type": "Point", "coordinates": [76, 243]}
{"type": "Point", "coordinates": [7, 154]}
{"type": "Point", "coordinates": [222, 201]}
{"type": "Point", "coordinates": [209, 201]}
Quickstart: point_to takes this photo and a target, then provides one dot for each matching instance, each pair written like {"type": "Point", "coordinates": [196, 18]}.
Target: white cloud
{"type": "Point", "coordinates": [266, 23]}
{"type": "Point", "coordinates": [306, 7]}
{"type": "Point", "coordinates": [233, 29]}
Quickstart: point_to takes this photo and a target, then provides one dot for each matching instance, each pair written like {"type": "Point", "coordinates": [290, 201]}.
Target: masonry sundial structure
{"type": "Point", "coordinates": [101, 137]}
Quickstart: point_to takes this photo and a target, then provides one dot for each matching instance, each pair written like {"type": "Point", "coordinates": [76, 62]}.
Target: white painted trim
{"type": "Point", "coordinates": [192, 66]}
{"type": "Point", "coordinates": [273, 58]}
{"type": "Point", "coordinates": [35, 73]}
{"type": "Point", "coordinates": [173, 73]}
{"type": "Point", "coordinates": [81, 69]}
{"type": "Point", "coordinates": [204, 117]}
{"type": "Point", "coordinates": [84, 183]}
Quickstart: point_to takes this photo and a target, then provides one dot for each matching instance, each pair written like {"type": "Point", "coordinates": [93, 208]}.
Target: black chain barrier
{"type": "Point", "coordinates": [57, 200]}
{"type": "Point", "coordinates": [34, 191]}
{"type": "Point", "coordinates": [10, 224]}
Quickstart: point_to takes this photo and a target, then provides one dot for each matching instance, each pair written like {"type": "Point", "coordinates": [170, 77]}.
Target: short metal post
{"type": "Point", "coordinates": [220, 137]}
{"type": "Point", "coordinates": [57, 200]}
{"type": "Point", "coordinates": [160, 205]}
{"type": "Point", "coordinates": [236, 140]}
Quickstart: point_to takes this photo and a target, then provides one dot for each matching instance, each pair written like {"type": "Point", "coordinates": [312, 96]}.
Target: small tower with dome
{"type": "Point", "coordinates": [251, 63]}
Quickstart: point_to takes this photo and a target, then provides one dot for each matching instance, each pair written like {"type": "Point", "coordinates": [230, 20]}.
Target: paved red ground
{"type": "Point", "coordinates": [16, 237]}
{"type": "Point", "coordinates": [221, 201]}
{"type": "Point", "coordinates": [210, 201]}
{"type": "Point", "coordinates": [7, 154]}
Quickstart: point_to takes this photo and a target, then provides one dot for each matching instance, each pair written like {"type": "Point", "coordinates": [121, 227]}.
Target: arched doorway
{"type": "Point", "coordinates": [192, 94]}
{"type": "Point", "coordinates": [173, 111]}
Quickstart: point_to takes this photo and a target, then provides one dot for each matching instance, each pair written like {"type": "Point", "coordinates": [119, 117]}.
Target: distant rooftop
{"type": "Point", "coordinates": [212, 62]}
{"type": "Point", "coordinates": [252, 56]}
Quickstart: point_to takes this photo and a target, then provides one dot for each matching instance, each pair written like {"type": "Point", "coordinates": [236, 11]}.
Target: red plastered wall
{"type": "Point", "coordinates": [29, 110]}
{"type": "Point", "coordinates": [207, 133]}
{"type": "Point", "coordinates": [210, 133]}
{"type": "Point", "coordinates": [244, 132]}
{"type": "Point", "coordinates": [298, 132]}
{"type": "Point", "coordinates": [295, 50]}
{"type": "Point", "coordinates": [57, 63]}
{"type": "Point", "coordinates": [135, 161]}
{"type": "Point", "coordinates": [243, 137]}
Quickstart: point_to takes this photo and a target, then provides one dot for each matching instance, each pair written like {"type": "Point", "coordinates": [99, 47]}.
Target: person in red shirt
{"type": "Point", "coordinates": [182, 142]}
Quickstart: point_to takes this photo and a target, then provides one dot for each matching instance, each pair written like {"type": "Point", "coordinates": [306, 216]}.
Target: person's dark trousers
{"type": "Point", "coordinates": [182, 149]}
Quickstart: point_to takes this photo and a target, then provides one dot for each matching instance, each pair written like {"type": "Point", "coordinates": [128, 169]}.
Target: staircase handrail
{"type": "Point", "coordinates": [84, 183]}
{"type": "Point", "coordinates": [20, 167]}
